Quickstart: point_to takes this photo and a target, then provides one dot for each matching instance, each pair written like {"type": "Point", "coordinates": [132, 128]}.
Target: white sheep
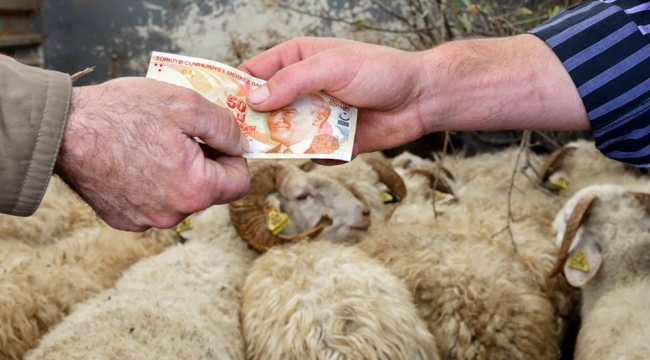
{"type": "Point", "coordinates": [480, 300]}
{"type": "Point", "coordinates": [286, 204]}
{"type": "Point", "coordinates": [603, 233]}
{"type": "Point", "coordinates": [39, 285]}
{"type": "Point", "coordinates": [181, 304]}
{"type": "Point", "coordinates": [318, 300]}
{"type": "Point", "coordinates": [371, 178]}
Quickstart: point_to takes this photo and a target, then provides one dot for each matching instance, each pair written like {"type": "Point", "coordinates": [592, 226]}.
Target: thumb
{"type": "Point", "coordinates": [218, 128]}
{"type": "Point", "coordinates": [304, 77]}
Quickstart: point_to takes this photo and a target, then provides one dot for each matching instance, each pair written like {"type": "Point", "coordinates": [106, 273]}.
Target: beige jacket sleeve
{"type": "Point", "coordinates": [33, 112]}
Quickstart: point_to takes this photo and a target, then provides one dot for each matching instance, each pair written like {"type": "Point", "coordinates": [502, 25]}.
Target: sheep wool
{"type": "Point", "coordinates": [40, 287]}
{"type": "Point", "coordinates": [58, 215]}
{"type": "Point", "coordinates": [181, 304]}
{"type": "Point", "coordinates": [319, 300]}
{"type": "Point", "coordinates": [478, 299]}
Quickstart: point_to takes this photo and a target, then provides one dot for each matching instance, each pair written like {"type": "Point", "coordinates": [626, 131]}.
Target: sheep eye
{"type": "Point", "coordinates": [302, 197]}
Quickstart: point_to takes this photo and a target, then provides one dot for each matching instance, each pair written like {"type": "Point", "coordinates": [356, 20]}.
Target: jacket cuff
{"type": "Point", "coordinates": [604, 47]}
{"type": "Point", "coordinates": [39, 122]}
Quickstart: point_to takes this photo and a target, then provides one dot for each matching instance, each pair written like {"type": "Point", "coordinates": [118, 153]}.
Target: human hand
{"type": "Point", "coordinates": [129, 151]}
{"type": "Point", "coordinates": [388, 93]}
{"type": "Point", "coordinates": [514, 83]}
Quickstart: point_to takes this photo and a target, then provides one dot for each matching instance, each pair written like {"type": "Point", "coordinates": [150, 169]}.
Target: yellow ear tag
{"type": "Point", "coordinates": [438, 195]}
{"type": "Point", "coordinates": [277, 221]}
{"type": "Point", "coordinates": [187, 224]}
{"type": "Point", "coordinates": [389, 197]}
{"type": "Point", "coordinates": [561, 183]}
{"type": "Point", "coordinates": [579, 261]}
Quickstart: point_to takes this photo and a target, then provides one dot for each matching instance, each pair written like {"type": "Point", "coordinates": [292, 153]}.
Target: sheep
{"type": "Point", "coordinates": [183, 303]}
{"type": "Point", "coordinates": [371, 178]}
{"type": "Point", "coordinates": [59, 214]}
{"type": "Point", "coordinates": [426, 183]}
{"type": "Point", "coordinates": [580, 164]}
{"type": "Point", "coordinates": [319, 300]}
{"type": "Point", "coordinates": [38, 288]}
{"type": "Point", "coordinates": [480, 300]}
{"type": "Point", "coordinates": [603, 233]}
{"type": "Point", "coordinates": [286, 204]}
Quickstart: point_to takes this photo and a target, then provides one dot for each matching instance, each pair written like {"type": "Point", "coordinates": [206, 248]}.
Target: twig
{"type": "Point", "coordinates": [525, 140]}
{"type": "Point", "coordinates": [74, 77]}
{"type": "Point", "coordinates": [348, 22]}
{"type": "Point", "coordinates": [445, 145]}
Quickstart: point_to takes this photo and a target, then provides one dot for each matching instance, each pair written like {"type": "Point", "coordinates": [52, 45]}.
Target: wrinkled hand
{"type": "Point", "coordinates": [128, 150]}
{"type": "Point", "coordinates": [387, 92]}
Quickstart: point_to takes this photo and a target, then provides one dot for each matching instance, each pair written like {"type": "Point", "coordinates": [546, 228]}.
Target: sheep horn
{"type": "Point", "coordinates": [553, 163]}
{"type": "Point", "coordinates": [248, 215]}
{"type": "Point", "coordinates": [441, 185]}
{"type": "Point", "coordinates": [578, 217]}
{"type": "Point", "coordinates": [643, 198]}
{"type": "Point", "coordinates": [390, 178]}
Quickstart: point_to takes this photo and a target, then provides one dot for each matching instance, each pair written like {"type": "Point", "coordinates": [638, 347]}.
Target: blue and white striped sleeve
{"type": "Point", "coordinates": [604, 45]}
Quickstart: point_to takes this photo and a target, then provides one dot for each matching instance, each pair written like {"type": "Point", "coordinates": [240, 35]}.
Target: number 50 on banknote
{"type": "Point", "coordinates": [314, 126]}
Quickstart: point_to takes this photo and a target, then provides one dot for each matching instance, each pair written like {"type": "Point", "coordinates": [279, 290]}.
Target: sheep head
{"type": "Point", "coordinates": [286, 204]}
{"type": "Point", "coordinates": [599, 224]}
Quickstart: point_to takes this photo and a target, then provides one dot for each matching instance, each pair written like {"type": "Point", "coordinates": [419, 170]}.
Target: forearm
{"type": "Point", "coordinates": [495, 84]}
{"type": "Point", "coordinates": [33, 108]}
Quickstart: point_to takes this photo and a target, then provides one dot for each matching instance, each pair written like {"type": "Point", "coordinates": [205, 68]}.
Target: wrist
{"type": "Point", "coordinates": [67, 151]}
{"type": "Point", "coordinates": [510, 83]}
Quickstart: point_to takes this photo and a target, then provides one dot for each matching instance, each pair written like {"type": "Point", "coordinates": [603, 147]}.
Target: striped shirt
{"type": "Point", "coordinates": [604, 45]}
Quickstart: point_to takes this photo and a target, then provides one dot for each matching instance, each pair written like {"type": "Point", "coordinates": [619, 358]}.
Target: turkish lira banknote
{"type": "Point", "coordinates": [314, 126]}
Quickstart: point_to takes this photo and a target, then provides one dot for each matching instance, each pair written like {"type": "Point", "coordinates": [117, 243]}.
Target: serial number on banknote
{"type": "Point", "coordinates": [315, 126]}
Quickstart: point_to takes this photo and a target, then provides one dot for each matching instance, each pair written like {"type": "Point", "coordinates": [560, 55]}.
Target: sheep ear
{"type": "Point", "coordinates": [583, 262]}
{"type": "Point", "coordinates": [572, 234]}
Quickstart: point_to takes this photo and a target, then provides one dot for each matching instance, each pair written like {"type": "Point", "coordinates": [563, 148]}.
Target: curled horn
{"type": "Point", "coordinates": [390, 178]}
{"type": "Point", "coordinates": [553, 163]}
{"type": "Point", "coordinates": [248, 214]}
{"type": "Point", "coordinates": [643, 198]}
{"type": "Point", "coordinates": [441, 184]}
{"type": "Point", "coordinates": [578, 217]}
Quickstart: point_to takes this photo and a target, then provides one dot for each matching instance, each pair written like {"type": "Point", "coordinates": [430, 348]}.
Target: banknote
{"type": "Point", "coordinates": [314, 126]}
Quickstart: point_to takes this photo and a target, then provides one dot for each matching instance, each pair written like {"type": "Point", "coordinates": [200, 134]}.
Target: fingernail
{"type": "Point", "coordinates": [245, 147]}
{"type": "Point", "coordinates": [259, 95]}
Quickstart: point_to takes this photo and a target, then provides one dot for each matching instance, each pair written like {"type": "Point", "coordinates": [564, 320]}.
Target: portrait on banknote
{"type": "Point", "coordinates": [313, 126]}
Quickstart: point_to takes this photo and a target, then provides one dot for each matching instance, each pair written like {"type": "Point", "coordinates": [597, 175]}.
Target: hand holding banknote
{"type": "Point", "coordinates": [314, 125]}
{"type": "Point", "coordinates": [369, 77]}
{"type": "Point", "coordinates": [513, 83]}
{"type": "Point", "coordinates": [129, 151]}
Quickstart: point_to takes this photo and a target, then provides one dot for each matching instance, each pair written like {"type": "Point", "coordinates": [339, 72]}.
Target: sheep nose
{"type": "Point", "coordinates": [365, 211]}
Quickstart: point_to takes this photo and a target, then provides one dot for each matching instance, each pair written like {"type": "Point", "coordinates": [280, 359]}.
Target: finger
{"type": "Point", "coordinates": [305, 77]}
{"type": "Point", "coordinates": [218, 128]}
{"type": "Point", "coordinates": [230, 178]}
{"type": "Point", "coordinates": [266, 64]}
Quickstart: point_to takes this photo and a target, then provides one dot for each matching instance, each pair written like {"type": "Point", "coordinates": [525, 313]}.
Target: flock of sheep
{"type": "Point", "coordinates": [380, 258]}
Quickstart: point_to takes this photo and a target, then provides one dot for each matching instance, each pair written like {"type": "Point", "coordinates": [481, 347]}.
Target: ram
{"type": "Point", "coordinates": [603, 233]}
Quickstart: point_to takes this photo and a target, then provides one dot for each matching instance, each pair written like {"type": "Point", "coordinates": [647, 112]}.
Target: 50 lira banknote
{"type": "Point", "coordinates": [314, 126]}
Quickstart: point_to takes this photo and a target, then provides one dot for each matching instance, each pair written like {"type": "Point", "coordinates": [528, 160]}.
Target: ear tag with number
{"type": "Point", "coordinates": [277, 221]}
{"type": "Point", "coordinates": [579, 261]}
{"type": "Point", "coordinates": [389, 197]}
{"type": "Point", "coordinates": [561, 182]}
